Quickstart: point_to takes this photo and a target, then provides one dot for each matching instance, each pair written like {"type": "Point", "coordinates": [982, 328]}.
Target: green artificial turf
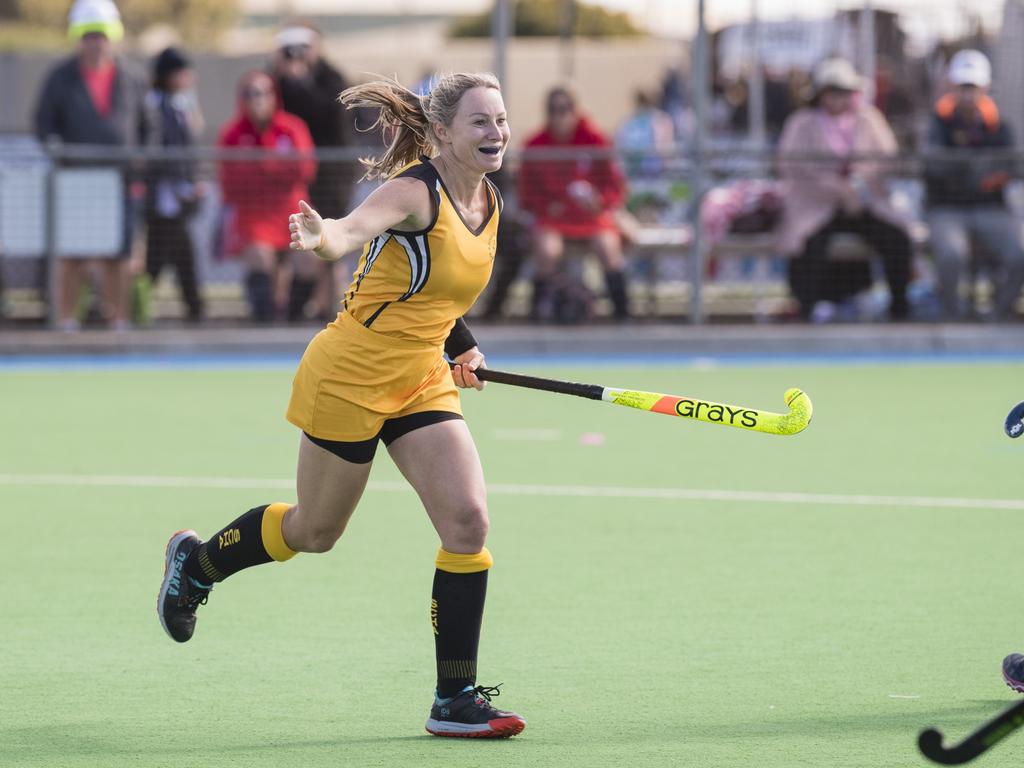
{"type": "Point", "coordinates": [627, 629]}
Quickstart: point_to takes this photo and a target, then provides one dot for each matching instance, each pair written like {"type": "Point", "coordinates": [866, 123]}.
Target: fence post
{"type": "Point", "coordinates": [52, 267]}
{"type": "Point", "coordinates": [700, 99]}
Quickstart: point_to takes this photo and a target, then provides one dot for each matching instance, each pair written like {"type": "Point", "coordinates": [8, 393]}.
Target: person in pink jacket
{"type": "Point", "coordinates": [263, 189]}
{"type": "Point", "coordinates": [831, 158]}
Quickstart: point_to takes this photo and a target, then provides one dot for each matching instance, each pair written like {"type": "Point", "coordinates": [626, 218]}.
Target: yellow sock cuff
{"type": "Point", "coordinates": [453, 562]}
{"type": "Point", "coordinates": [273, 538]}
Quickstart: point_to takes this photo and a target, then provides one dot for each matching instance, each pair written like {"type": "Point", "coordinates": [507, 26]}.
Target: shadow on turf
{"type": "Point", "coordinates": [952, 720]}
{"type": "Point", "coordinates": [100, 739]}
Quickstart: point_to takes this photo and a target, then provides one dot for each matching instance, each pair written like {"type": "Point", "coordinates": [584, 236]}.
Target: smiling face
{"type": "Point", "coordinates": [479, 132]}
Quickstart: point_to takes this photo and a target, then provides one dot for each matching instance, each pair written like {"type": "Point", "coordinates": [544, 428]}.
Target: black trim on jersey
{"type": "Point", "coordinates": [497, 194]}
{"type": "Point", "coordinates": [459, 339]}
{"type": "Point", "coordinates": [376, 246]}
{"type": "Point", "coordinates": [417, 249]}
{"type": "Point", "coordinates": [492, 206]}
{"type": "Point", "coordinates": [371, 318]}
{"type": "Point", "coordinates": [426, 173]}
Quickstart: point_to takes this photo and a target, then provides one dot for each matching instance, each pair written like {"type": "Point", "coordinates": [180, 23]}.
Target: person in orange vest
{"type": "Point", "coordinates": [966, 174]}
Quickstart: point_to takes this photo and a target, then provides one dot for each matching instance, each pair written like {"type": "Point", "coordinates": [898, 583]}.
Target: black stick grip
{"type": "Point", "coordinates": [589, 391]}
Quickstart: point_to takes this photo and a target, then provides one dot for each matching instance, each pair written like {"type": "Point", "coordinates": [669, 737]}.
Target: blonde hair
{"type": "Point", "coordinates": [406, 118]}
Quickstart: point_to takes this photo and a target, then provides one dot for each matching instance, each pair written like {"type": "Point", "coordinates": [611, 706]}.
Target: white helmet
{"type": "Point", "coordinates": [95, 16]}
{"type": "Point", "coordinates": [970, 67]}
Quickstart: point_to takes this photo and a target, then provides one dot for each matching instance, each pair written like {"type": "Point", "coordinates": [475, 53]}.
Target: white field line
{"type": "Point", "coordinates": [510, 489]}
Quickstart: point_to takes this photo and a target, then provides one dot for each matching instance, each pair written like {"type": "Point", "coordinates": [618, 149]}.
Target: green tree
{"type": "Point", "coordinates": [544, 18]}
{"type": "Point", "coordinates": [198, 21]}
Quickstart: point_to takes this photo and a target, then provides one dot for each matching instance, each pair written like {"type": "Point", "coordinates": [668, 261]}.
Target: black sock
{"type": "Point", "coordinates": [456, 612]}
{"type": "Point", "coordinates": [253, 539]}
{"type": "Point", "coordinates": [298, 296]}
{"type": "Point", "coordinates": [616, 285]}
{"type": "Point", "coordinates": [260, 294]}
{"type": "Point", "coordinates": [540, 300]}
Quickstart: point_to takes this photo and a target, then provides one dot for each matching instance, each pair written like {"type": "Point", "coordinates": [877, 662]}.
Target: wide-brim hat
{"type": "Point", "coordinates": [838, 74]}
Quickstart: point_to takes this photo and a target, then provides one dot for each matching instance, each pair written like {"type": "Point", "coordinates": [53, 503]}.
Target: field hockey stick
{"type": "Point", "coordinates": [740, 416]}
{"type": "Point", "coordinates": [985, 736]}
{"type": "Point", "coordinates": [1014, 425]}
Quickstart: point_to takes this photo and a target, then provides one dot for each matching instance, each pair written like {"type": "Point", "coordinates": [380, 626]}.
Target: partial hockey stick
{"type": "Point", "coordinates": [985, 736]}
{"type": "Point", "coordinates": [1015, 421]}
{"type": "Point", "coordinates": [798, 417]}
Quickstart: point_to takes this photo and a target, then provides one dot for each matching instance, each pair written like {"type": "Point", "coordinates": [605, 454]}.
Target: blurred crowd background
{"type": "Point", "coordinates": [670, 161]}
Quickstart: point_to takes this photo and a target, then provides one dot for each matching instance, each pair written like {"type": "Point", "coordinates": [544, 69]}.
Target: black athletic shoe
{"type": "Point", "coordinates": [470, 714]}
{"type": "Point", "coordinates": [1013, 671]}
{"type": "Point", "coordinates": [179, 595]}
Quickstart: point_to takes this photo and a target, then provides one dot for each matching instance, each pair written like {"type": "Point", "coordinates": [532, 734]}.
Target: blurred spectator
{"type": "Point", "coordinates": [645, 137]}
{"type": "Point", "coordinates": [309, 88]}
{"type": "Point", "coordinates": [674, 103]}
{"type": "Point", "coordinates": [571, 198]}
{"type": "Point", "coordinates": [262, 190]}
{"type": "Point", "coordinates": [828, 190]}
{"type": "Point", "coordinates": [172, 192]}
{"type": "Point", "coordinates": [778, 103]}
{"type": "Point", "coordinates": [92, 98]}
{"type": "Point", "coordinates": [893, 97]}
{"type": "Point", "coordinates": [514, 246]}
{"type": "Point", "coordinates": [965, 188]}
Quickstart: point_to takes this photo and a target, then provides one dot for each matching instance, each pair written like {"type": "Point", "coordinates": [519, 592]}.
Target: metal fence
{"type": "Point", "coordinates": [689, 257]}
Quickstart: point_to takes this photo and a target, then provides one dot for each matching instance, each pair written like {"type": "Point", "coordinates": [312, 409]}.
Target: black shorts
{"type": "Point", "coordinates": [362, 451]}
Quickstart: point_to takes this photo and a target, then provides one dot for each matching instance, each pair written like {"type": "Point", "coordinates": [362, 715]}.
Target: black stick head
{"type": "Point", "coordinates": [1015, 421]}
{"type": "Point", "coordinates": [929, 741]}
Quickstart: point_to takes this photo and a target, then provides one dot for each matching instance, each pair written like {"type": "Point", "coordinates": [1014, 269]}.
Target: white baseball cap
{"type": "Point", "coordinates": [95, 16]}
{"type": "Point", "coordinates": [970, 67]}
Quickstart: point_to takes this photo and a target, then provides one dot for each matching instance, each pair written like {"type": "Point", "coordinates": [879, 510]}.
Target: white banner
{"type": "Point", "coordinates": [90, 215]}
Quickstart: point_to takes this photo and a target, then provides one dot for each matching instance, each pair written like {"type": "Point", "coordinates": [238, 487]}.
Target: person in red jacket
{"type": "Point", "coordinates": [262, 191]}
{"type": "Point", "coordinates": [572, 198]}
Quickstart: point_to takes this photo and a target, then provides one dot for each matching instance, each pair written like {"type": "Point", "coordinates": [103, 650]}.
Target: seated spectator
{"type": "Point", "coordinates": [309, 88]}
{"type": "Point", "coordinates": [828, 190]}
{"type": "Point", "coordinates": [172, 193]}
{"type": "Point", "coordinates": [965, 188]}
{"type": "Point", "coordinates": [645, 137]}
{"type": "Point", "coordinates": [263, 191]}
{"type": "Point", "coordinates": [513, 249]}
{"type": "Point", "coordinates": [572, 198]}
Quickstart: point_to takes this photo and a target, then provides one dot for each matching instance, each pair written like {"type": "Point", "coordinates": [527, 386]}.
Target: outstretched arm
{"type": "Point", "coordinates": [402, 204]}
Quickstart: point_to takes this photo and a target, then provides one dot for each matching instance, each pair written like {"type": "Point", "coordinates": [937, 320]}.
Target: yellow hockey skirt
{"type": "Point", "coordinates": [352, 379]}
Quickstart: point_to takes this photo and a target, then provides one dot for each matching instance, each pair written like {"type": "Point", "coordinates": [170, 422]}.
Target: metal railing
{"type": "Point", "coordinates": [67, 202]}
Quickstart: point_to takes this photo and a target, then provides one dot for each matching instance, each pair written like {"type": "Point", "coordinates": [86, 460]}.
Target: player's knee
{"type": "Point", "coordinates": [470, 526]}
{"type": "Point", "coordinates": [305, 536]}
{"type": "Point", "coordinates": [319, 540]}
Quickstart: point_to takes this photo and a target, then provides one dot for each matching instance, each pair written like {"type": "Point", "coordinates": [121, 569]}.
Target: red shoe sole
{"type": "Point", "coordinates": [502, 728]}
{"type": "Point", "coordinates": [1015, 685]}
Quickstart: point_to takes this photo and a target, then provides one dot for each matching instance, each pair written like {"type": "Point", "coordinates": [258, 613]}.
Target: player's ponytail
{"type": "Point", "coordinates": [405, 118]}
